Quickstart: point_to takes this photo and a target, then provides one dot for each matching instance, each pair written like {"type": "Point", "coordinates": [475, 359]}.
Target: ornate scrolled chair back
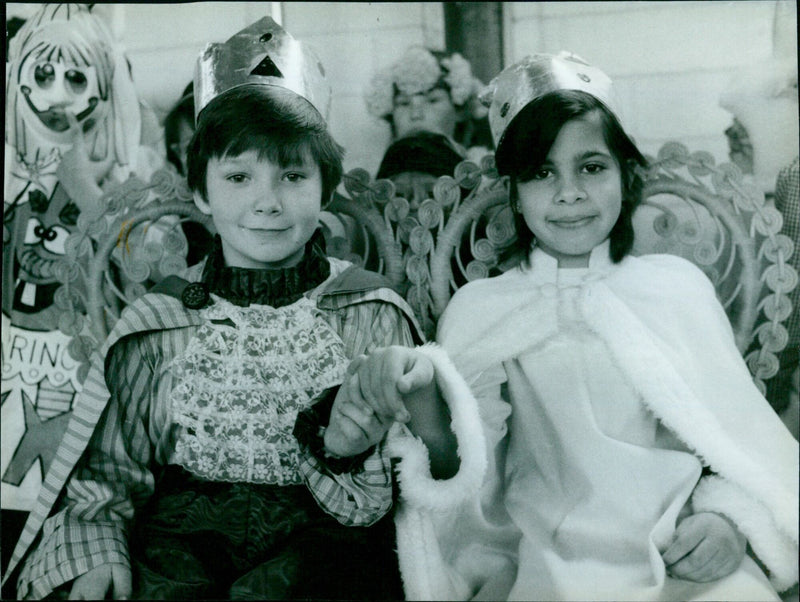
{"type": "Point", "coordinates": [112, 257]}
{"type": "Point", "coordinates": [415, 233]}
{"type": "Point", "coordinates": [692, 208]}
{"type": "Point", "coordinates": [708, 214]}
{"type": "Point", "coordinates": [118, 255]}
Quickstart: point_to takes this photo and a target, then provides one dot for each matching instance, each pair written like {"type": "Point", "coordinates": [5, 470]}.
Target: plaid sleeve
{"type": "Point", "coordinates": [363, 496]}
{"type": "Point", "coordinates": [89, 529]}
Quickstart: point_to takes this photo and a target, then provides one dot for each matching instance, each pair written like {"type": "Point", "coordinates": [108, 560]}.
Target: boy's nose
{"type": "Point", "coordinates": [417, 111]}
{"type": "Point", "coordinates": [267, 202]}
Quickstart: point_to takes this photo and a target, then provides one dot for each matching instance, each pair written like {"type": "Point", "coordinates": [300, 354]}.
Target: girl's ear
{"type": "Point", "coordinates": [201, 203]}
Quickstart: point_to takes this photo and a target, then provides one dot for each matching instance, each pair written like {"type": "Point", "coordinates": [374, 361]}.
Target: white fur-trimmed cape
{"type": "Point", "coordinates": [425, 573]}
{"type": "Point", "coordinates": [665, 329]}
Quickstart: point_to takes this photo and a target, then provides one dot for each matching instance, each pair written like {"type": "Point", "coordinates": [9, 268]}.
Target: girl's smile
{"type": "Point", "coordinates": [574, 198]}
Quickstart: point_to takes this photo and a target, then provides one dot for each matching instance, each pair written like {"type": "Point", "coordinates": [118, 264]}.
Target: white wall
{"type": "Point", "coordinates": [670, 60]}
{"type": "Point", "coordinates": [355, 39]}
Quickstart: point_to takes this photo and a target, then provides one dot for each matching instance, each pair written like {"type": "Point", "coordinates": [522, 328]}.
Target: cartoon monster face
{"type": "Point", "coordinates": [43, 226]}
{"type": "Point", "coordinates": [51, 87]}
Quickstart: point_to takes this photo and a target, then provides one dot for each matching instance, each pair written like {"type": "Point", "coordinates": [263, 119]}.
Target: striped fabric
{"type": "Point", "coordinates": [89, 528]}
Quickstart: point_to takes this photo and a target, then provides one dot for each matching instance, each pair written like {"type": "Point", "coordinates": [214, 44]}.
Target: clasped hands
{"type": "Point", "coordinates": [370, 399]}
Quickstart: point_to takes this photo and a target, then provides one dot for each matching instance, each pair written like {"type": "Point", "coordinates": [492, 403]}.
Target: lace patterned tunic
{"type": "Point", "coordinates": [217, 396]}
{"type": "Point", "coordinates": [239, 387]}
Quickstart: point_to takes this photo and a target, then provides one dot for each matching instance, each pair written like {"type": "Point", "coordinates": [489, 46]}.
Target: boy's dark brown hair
{"type": "Point", "coordinates": [527, 143]}
{"type": "Point", "coordinates": [276, 123]}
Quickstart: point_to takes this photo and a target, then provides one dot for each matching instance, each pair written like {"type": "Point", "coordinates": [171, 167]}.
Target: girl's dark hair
{"type": "Point", "coordinates": [529, 138]}
{"type": "Point", "coordinates": [281, 126]}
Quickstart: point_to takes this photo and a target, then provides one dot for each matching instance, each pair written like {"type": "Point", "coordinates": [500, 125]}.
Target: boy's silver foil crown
{"type": "Point", "coordinates": [262, 53]}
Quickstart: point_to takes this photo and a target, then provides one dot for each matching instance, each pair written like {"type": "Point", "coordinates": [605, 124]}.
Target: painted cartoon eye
{"type": "Point", "coordinates": [76, 80]}
{"type": "Point", "coordinates": [45, 75]}
{"type": "Point", "coordinates": [32, 231]}
{"type": "Point", "coordinates": [55, 240]}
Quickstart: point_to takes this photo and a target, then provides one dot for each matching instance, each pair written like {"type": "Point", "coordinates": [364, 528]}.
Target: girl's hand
{"type": "Point", "coordinates": [95, 584]}
{"type": "Point", "coordinates": [353, 427]}
{"type": "Point", "coordinates": [706, 547]}
{"type": "Point", "coordinates": [384, 377]}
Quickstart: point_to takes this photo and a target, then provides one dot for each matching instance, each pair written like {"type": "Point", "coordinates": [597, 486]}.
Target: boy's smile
{"type": "Point", "coordinates": [264, 213]}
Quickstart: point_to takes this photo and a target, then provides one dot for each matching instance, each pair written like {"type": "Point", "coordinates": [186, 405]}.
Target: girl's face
{"type": "Point", "coordinates": [575, 197]}
{"type": "Point", "coordinates": [264, 213]}
{"type": "Point", "coordinates": [431, 111]}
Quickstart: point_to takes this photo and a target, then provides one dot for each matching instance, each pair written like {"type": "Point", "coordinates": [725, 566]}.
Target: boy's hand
{"type": "Point", "coordinates": [95, 584]}
{"type": "Point", "coordinates": [384, 376]}
{"type": "Point", "coordinates": [353, 427]}
{"type": "Point", "coordinates": [706, 547]}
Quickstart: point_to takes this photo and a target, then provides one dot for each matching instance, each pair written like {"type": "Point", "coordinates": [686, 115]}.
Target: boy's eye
{"type": "Point", "coordinates": [294, 176]}
{"type": "Point", "coordinates": [236, 178]}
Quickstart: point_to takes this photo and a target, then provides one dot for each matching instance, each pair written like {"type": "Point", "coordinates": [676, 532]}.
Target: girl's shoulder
{"type": "Point", "coordinates": [664, 271]}
{"type": "Point", "coordinates": [483, 301]}
{"type": "Point", "coordinates": [488, 289]}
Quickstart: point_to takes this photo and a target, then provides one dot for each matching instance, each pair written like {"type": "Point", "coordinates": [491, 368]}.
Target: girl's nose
{"type": "Point", "coordinates": [570, 191]}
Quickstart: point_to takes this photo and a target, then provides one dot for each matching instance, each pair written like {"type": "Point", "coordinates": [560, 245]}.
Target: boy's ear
{"type": "Point", "coordinates": [201, 203]}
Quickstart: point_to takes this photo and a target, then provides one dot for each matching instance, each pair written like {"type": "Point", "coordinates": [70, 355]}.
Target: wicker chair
{"type": "Point", "coordinates": [692, 207]}
{"type": "Point", "coordinates": [115, 257]}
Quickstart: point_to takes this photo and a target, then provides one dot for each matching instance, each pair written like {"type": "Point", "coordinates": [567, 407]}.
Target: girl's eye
{"type": "Point", "coordinates": [541, 174]}
{"type": "Point", "coordinates": [594, 168]}
{"type": "Point", "coordinates": [236, 178]}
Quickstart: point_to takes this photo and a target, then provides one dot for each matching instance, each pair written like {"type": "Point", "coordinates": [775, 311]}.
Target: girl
{"type": "Point", "coordinates": [631, 457]}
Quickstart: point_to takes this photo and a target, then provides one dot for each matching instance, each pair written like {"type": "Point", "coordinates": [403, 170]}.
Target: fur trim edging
{"type": "Point", "coordinates": [666, 393]}
{"type": "Point", "coordinates": [775, 548]}
{"type": "Point", "coordinates": [417, 487]}
{"type": "Point", "coordinates": [422, 566]}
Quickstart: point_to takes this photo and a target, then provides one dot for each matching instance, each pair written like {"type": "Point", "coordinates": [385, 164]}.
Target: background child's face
{"type": "Point", "coordinates": [431, 111]}
{"type": "Point", "coordinates": [264, 213]}
{"type": "Point", "coordinates": [574, 200]}
{"type": "Point", "coordinates": [414, 186]}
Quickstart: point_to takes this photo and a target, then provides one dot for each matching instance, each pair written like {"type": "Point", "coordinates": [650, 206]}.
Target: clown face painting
{"type": "Point", "coordinates": [52, 86]}
{"type": "Point", "coordinates": [64, 78]}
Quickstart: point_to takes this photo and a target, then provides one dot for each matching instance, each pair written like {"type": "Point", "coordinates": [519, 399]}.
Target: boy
{"type": "Point", "coordinates": [207, 403]}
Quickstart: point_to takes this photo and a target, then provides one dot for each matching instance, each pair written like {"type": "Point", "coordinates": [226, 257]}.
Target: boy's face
{"type": "Point", "coordinates": [575, 197]}
{"type": "Point", "coordinates": [264, 213]}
